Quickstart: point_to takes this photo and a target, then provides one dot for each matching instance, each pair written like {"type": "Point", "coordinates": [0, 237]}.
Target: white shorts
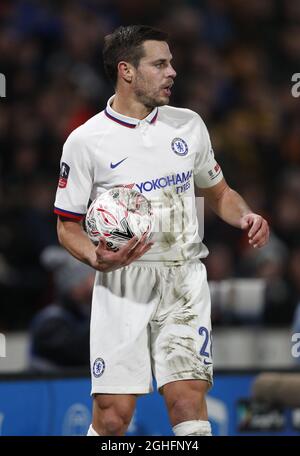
{"type": "Point", "coordinates": [150, 318]}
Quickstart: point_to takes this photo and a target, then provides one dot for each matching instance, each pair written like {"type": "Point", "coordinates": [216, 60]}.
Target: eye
{"type": "Point", "coordinates": [158, 65]}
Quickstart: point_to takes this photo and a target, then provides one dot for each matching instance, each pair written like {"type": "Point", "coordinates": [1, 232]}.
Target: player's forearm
{"type": "Point", "coordinates": [231, 207]}
{"type": "Point", "coordinates": [72, 237]}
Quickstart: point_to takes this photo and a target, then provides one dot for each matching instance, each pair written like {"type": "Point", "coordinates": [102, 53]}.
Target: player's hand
{"type": "Point", "coordinates": [108, 260]}
{"type": "Point", "coordinates": [258, 229]}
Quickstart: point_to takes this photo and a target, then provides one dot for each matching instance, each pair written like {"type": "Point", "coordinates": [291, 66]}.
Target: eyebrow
{"type": "Point", "coordinates": [162, 60]}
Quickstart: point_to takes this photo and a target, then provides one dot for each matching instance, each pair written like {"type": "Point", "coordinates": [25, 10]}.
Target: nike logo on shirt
{"type": "Point", "coordinates": [114, 165]}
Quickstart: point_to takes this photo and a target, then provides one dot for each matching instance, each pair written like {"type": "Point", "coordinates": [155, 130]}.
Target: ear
{"type": "Point", "coordinates": [125, 71]}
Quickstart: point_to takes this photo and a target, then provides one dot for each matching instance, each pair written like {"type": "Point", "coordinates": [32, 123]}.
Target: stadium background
{"type": "Point", "coordinates": [235, 61]}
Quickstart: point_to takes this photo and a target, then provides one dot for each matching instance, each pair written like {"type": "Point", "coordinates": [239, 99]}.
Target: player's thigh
{"type": "Point", "coordinates": [106, 406]}
{"type": "Point", "coordinates": [181, 329]}
{"type": "Point", "coordinates": [123, 303]}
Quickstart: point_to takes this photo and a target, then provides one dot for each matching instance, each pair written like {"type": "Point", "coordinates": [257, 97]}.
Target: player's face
{"type": "Point", "coordinates": [155, 75]}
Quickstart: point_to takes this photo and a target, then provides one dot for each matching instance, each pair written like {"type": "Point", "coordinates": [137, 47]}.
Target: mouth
{"type": "Point", "coordinates": [167, 92]}
{"type": "Point", "coordinates": [167, 89]}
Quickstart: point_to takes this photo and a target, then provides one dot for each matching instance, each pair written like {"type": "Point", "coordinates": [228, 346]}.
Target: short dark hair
{"type": "Point", "coordinates": [126, 43]}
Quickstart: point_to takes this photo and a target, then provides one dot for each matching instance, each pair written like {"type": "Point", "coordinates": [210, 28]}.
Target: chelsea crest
{"type": "Point", "coordinates": [179, 146]}
{"type": "Point", "coordinates": [98, 367]}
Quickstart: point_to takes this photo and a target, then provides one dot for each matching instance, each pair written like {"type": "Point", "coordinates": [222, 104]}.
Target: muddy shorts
{"type": "Point", "coordinates": [150, 319]}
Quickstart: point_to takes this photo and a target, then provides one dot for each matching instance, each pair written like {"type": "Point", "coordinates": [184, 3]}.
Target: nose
{"type": "Point", "coordinates": [171, 72]}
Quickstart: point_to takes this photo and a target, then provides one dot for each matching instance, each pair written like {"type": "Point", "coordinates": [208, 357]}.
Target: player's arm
{"type": "Point", "coordinates": [72, 236]}
{"type": "Point", "coordinates": [233, 209]}
{"type": "Point", "coordinates": [74, 239]}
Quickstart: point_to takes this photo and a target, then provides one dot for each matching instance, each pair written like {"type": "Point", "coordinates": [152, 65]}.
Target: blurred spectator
{"type": "Point", "coordinates": [287, 217]}
{"type": "Point", "coordinates": [60, 332]}
{"type": "Point", "coordinates": [270, 264]}
{"type": "Point", "coordinates": [219, 263]}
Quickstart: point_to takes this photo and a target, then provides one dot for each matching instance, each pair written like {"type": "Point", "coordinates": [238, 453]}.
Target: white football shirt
{"type": "Point", "coordinates": [161, 156]}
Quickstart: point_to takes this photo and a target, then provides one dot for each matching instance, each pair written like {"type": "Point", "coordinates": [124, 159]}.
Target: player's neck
{"type": "Point", "coordinates": [129, 107]}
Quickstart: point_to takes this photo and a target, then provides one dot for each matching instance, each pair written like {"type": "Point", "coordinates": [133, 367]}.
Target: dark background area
{"type": "Point", "coordinates": [234, 60]}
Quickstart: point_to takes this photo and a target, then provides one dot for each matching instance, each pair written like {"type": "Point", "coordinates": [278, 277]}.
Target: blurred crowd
{"type": "Point", "coordinates": [234, 60]}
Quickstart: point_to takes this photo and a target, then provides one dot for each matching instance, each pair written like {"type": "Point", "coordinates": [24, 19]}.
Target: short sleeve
{"type": "Point", "coordinates": [75, 179]}
{"type": "Point", "coordinates": [207, 172]}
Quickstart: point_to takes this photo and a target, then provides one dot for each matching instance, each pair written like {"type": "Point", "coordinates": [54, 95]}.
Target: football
{"type": "Point", "coordinates": [118, 215]}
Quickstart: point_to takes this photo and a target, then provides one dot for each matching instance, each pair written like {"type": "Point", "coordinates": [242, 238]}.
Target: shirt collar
{"type": "Point", "coordinates": [126, 121]}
